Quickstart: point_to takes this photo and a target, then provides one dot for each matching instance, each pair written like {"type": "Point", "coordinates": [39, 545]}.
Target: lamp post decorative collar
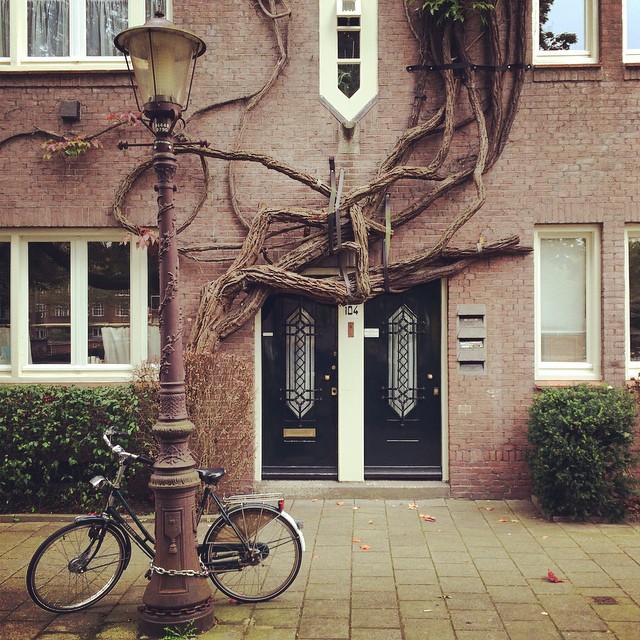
{"type": "Point", "coordinates": [162, 57]}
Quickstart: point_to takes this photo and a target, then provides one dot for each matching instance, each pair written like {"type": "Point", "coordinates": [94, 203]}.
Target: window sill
{"type": "Point", "coordinates": [66, 66]}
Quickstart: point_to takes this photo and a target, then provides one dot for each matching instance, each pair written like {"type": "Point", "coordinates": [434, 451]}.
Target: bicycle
{"type": "Point", "coordinates": [252, 551]}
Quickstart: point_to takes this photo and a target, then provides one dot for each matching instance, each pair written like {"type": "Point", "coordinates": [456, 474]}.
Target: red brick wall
{"type": "Point", "coordinates": [572, 158]}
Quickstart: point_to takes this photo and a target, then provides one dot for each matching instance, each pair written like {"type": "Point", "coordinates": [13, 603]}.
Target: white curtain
{"type": "Point", "coordinates": [105, 20]}
{"type": "Point", "coordinates": [115, 341]}
{"type": "Point", "coordinates": [48, 28]}
{"type": "Point", "coordinates": [4, 28]}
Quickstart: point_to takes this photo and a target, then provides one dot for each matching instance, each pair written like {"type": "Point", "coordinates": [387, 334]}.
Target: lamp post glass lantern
{"type": "Point", "coordinates": [162, 57]}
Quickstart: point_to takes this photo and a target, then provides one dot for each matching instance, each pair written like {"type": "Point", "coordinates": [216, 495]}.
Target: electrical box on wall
{"type": "Point", "coordinates": [472, 336]}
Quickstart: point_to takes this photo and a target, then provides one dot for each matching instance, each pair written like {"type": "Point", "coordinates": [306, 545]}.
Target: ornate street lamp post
{"type": "Point", "coordinates": [163, 59]}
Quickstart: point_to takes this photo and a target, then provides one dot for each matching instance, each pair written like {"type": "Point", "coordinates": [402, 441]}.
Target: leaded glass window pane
{"type": "Point", "coordinates": [300, 332]}
{"type": "Point", "coordinates": [402, 358]}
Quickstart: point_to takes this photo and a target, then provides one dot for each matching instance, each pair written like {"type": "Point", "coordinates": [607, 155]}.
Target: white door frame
{"type": "Point", "coordinates": [351, 337]}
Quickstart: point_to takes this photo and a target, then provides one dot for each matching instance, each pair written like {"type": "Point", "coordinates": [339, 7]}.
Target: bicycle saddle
{"type": "Point", "coordinates": [211, 476]}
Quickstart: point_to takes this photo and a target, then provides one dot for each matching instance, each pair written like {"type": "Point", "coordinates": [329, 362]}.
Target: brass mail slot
{"type": "Point", "coordinates": [299, 433]}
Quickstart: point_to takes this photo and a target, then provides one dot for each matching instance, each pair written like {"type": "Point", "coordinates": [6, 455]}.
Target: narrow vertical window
{"type": "Point", "coordinates": [5, 22]}
{"type": "Point", "coordinates": [348, 42]}
{"type": "Point", "coordinates": [633, 302]}
{"type": "Point", "coordinates": [563, 299]}
{"type": "Point", "coordinates": [348, 52]}
{"type": "Point", "coordinates": [153, 304]}
{"type": "Point", "coordinates": [109, 287]}
{"type": "Point", "coordinates": [49, 302]}
{"type": "Point", "coordinates": [105, 20]}
{"type": "Point", "coordinates": [5, 303]}
{"type": "Point", "coordinates": [567, 294]}
{"type": "Point", "coordinates": [48, 28]}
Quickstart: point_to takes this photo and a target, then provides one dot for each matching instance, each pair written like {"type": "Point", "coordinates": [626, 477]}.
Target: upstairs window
{"type": "Point", "coordinates": [631, 51]}
{"type": "Point", "coordinates": [67, 34]}
{"type": "Point", "coordinates": [348, 56]}
{"type": "Point", "coordinates": [565, 32]}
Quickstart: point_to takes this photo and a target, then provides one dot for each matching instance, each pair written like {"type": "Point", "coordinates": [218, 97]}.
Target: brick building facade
{"type": "Point", "coordinates": [502, 328]}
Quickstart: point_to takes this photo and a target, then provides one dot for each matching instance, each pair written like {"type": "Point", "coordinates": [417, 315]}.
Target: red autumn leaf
{"type": "Point", "coordinates": [365, 547]}
{"type": "Point", "coordinates": [357, 540]}
{"type": "Point", "coordinates": [551, 577]}
{"type": "Point", "coordinates": [427, 518]}
{"type": "Point", "coordinates": [340, 504]}
{"type": "Point", "coordinates": [503, 520]}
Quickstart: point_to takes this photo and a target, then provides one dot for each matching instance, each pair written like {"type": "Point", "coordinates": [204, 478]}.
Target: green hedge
{"type": "Point", "coordinates": [52, 443]}
{"type": "Point", "coordinates": [581, 455]}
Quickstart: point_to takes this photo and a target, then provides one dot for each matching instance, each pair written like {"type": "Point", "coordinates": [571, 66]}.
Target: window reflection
{"type": "Point", "coordinates": [109, 303]}
{"type": "Point", "coordinates": [5, 303]}
{"type": "Point", "coordinates": [49, 303]}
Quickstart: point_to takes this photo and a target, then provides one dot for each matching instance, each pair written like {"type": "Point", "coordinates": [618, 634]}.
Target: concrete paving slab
{"type": "Point", "coordinates": [435, 568]}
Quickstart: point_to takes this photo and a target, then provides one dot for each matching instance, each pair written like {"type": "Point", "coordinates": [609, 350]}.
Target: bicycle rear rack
{"type": "Point", "coordinates": [253, 498]}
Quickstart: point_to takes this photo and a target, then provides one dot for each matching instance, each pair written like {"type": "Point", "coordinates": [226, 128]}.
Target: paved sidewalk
{"type": "Point", "coordinates": [438, 569]}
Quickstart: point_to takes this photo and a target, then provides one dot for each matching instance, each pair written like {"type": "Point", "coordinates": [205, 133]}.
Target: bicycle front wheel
{"type": "Point", "coordinates": [260, 560]}
{"type": "Point", "coordinates": [76, 566]}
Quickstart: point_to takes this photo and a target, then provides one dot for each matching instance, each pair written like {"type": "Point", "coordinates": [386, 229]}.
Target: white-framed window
{"type": "Point", "coordinates": [567, 302]}
{"type": "Point", "coordinates": [631, 32]}
{"type": "Point", "coordinates": [632, 300]}
{"type": "Point", "coordinates": [565, 32]}
{"type": "Point", "coordinates": [97, 310]}
{"type": "Point", "coordinates": [348, 41]}
{"type": "Point", "coordinates": [51, 283]}
{"type": "Point", "coordinates": [60, 35]}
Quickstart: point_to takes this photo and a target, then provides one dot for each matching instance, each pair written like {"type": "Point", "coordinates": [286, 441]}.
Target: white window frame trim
{"type": "Point", "coordinates": [629, 56]}
{"type": "Point", "coordinates": [632, 366]}
{"type": "Point", "coordinates": [19, 370]}
{"type": "Point", "coordinates": [588, 56]}
{"type": "Point", "coordinates": [348, 110]}
{"type": "Point", "coordinates": [19, 60]}
{"type": "Point", "coordinates": [591, 368]}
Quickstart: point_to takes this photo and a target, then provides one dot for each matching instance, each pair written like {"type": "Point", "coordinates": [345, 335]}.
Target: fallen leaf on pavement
{"type": "Point", "coordinates": [427, 517]}
{"type": "Point", "coordinates": [551, 577]}
{"type": "Point", "coordinates": [340, 504]}
{"type": "Point", "coordinates": [365, 547]}
{"type": "Point", "coordinates": [357, 540]}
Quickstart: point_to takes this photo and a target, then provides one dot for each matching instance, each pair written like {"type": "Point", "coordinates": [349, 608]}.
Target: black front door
{"type": "Point", "coordinates": [402, 384]}
{"type": "Point", "coordinates": [299, 389]}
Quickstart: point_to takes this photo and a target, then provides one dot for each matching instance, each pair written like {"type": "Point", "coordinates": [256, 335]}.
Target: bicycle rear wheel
{"type": "Point", "coordinates": [76, 566]}
{"type": "Point", "coordinates": [262, 564]}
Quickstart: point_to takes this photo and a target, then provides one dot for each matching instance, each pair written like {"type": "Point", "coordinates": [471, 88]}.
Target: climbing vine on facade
{"type": "Point", "coordinates": [467, 81]}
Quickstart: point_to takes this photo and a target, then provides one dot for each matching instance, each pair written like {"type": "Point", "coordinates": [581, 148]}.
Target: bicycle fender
{"type": "Point", "coordinates": [268, 507]}
{"type": "Point", "coordinates": [115, 529]}
{"type": "Point", "coordinates": [294, 524]}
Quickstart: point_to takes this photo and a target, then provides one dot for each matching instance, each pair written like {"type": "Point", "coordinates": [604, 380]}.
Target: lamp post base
{"type": "Point", "coordinates": [179, 592]}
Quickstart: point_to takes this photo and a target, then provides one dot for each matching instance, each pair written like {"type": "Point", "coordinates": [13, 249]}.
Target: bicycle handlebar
{"type": "Point", "coordinates": [119, 451]}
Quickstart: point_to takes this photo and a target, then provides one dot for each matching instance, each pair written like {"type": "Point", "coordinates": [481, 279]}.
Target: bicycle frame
{"type": "Point", "coordinates": [143, 538]}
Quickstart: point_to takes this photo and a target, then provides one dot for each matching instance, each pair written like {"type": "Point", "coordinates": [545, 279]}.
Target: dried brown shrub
{"type": "Point", "coordinates": [220, 404]}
